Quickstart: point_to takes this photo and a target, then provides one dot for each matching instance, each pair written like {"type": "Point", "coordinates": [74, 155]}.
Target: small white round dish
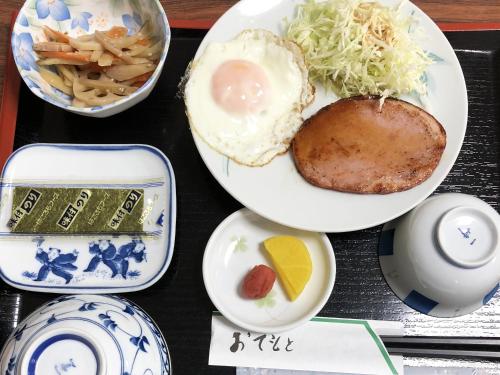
{"type": "Point", "coordinates": [236, 247]}
{"type": "Point", "coordinates": [78, 18]}
{"type": "Point", "coordinates": [86, 335]}
{"type": "Point", "coordinates": [278, 192]}
{"type": "Point", "coordinates": [443, 258]}
{"type": "Point", "coordinates": [98, 262]}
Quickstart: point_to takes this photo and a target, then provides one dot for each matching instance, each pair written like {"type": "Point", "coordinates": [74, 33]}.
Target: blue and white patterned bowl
{"type": "Point", "coordinates": [78, 17]}
{"type": "Point", "coordinates": [443, 257]}
{"type": "Point", "coordinates": [86, 334]}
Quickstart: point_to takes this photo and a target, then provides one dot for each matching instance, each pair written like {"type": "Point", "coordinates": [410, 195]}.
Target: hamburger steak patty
{"type": "Point", "coordinates": [352, 146]}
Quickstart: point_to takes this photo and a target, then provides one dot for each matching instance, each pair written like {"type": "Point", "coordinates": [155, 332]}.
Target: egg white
{"type": "Point", "coordinates": [254, 139]}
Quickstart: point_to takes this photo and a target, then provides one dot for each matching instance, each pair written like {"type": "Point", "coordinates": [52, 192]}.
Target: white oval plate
{"type": "Point", "coordinates": [236, 247]}
{"type": "Point", "coordinates": [278, 192]}
{"type": "Point", "coordinates": [61, 264]}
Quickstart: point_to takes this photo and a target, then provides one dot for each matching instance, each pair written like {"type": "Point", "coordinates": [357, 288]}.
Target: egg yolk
{"type": "Point", "coordinates": [240, 87]}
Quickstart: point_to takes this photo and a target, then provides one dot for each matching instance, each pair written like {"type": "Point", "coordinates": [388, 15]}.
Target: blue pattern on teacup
{"type": "Point", "coordinates": [77, 17]}
{"type": "Point", "coordinates": [140, 343]}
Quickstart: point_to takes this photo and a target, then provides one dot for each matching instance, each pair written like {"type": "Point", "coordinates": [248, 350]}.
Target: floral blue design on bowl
{"type": "Point", "coordinates": [87, 334]}
{"type": "Point", "coordinates": [81, 20]}
{"type": "Point", "coordinates": [132, 22]}
{"type": "Point", "coordinates": [57, 9]}
{"type": "Point", "coordinates": [78, 17]}
{"type": "Point", "coordinates": [22, 50]}
{"type": "Point", "coordinates": [22, 20]}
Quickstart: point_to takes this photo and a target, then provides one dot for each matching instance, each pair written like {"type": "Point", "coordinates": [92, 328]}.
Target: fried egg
{"type": "Point", "coordinates": [245, 97]}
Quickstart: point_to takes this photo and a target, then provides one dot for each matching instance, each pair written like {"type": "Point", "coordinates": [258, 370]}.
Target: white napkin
{"type": "Point", "coordinates": [346, 346]}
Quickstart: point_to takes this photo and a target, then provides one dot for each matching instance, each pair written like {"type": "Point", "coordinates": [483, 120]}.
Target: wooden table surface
{"type": "Point", "coordinates": [443, 11]}
{"type": "Point", "coordinates": [207, 11]}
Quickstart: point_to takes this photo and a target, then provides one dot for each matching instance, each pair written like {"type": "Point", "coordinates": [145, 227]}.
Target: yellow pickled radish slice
{"type": "Point", "coordinates": [292, 262]}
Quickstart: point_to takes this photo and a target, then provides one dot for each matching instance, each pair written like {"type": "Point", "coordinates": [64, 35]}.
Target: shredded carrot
{"type": "Point", "coordinates": [60, 37]}
{"type": "Point", "coordinates": [143, 77]}
{"type": "Point", "coordinates": [117, 32]}
{"type": "Point", "coordinates": [65, 55]}
{"type": "Point", "coordinates": [144, 42]}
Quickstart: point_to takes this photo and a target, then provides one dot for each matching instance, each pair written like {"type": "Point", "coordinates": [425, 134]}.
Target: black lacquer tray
{"type": "Point", "coordinates": [178, 302]}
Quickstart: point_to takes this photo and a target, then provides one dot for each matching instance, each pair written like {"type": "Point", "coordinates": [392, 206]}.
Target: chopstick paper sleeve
{"type": "Point", "coordinates": [322, 344]}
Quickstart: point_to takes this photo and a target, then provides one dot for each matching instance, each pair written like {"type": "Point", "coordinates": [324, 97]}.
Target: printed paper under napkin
{"type": "Point", "coordinates": [323, 344]}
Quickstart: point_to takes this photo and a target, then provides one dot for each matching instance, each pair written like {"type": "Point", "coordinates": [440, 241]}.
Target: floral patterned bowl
{"type": "Point", "coordinates": [78, 17]}
{"type": "Point", "coordinates": [86, 334]}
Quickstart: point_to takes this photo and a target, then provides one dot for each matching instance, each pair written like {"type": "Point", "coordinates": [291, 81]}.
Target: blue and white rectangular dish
{"type": "Point", "coordinates": [89, 263]}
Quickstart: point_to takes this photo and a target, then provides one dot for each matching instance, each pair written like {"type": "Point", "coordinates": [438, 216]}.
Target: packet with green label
{"type": "Point", "coordinates": [77, 210]}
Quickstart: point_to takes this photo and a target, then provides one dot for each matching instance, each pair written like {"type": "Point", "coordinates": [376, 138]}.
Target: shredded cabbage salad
{"type": "Point", "coordinates": [354, 47]}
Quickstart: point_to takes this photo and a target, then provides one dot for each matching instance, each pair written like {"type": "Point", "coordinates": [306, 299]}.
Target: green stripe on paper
{"type": "Point", "coordinates": [365, 324]}
{"type": "Point", "coordinates": [370, 330]}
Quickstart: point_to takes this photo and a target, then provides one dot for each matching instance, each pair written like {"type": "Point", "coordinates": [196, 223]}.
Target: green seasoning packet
{"type": "Point", "coordinates": [76, 210]}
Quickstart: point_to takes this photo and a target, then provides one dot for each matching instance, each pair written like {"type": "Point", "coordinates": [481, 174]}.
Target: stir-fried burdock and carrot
{"type": "Point", "coordinates": [99, 68]}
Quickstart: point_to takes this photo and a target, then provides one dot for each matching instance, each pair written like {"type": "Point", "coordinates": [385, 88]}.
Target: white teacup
{"type": "Point", "coordinates": [442, 258]}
